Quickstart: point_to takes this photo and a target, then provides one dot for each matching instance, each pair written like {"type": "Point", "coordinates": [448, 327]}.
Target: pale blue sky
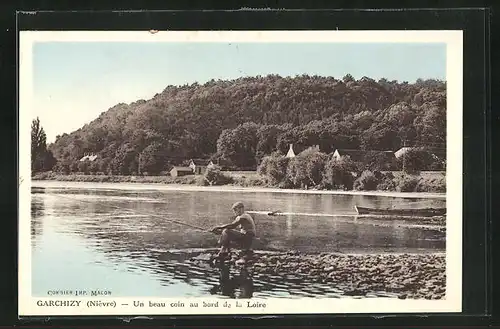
{"type": "Point", "coordinates": [75, 81]}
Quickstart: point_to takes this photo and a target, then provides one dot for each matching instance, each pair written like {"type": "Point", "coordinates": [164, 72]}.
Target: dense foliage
{"type": "Point", "coordinates": [317, 170]}
{"type": "Point", "coordinates": [245, 119]}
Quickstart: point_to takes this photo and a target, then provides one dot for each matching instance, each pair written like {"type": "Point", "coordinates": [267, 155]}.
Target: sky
{"type": "Point", "coordinates": [74, 82]}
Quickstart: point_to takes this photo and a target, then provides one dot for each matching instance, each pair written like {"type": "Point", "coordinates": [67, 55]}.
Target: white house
{"type": "Point", "coordinates": [402, 151]}
{"type": "Point", "coordinates": [199, 166]}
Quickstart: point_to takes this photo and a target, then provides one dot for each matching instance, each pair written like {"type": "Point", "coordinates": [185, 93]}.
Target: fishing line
{"type": "Point", "coordinates": [146, 214]}
{"type": "Point", "coordinates": [269, 213]}
{"type": "Point", "coordinates": [137, 212]}
{"type": "Point", "coordinates": [278, 213]}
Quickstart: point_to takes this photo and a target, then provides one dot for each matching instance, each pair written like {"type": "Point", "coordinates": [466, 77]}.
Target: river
{"type": "Point", "coordinates": [126, 239]}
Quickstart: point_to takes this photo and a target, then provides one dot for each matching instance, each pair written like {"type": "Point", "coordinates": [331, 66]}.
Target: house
{"type": "Point", "coordinates": [221, 163]}
{"type": "Point", "coordinates": [361, 155]}
{"type": "Point", "coordinates": [355, 155]}
{"type": "Point", "coordinates": [291, 153]}
{"type": "Point", "coordinates": [199, 166]}
{"type": "Point", "coordinates": [436, 153]}
{"type": "Point", "coordinates": [89, 157]}
{"type": "Point", "coordinates": [181, 171]}
{"type": "Point", "coordinates": [402, 151]}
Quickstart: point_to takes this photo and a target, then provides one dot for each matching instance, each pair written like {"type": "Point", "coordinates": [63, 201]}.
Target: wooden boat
{"type": "Point", "coordinates": [422, 212]}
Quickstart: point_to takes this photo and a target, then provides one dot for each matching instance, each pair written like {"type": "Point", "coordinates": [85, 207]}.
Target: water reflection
{"type": "Point", "coordinates": [234, 286]}
{"type": "Point", "coordinates": [37, 211]}
{"type": "Point", "coordinates": [119, 233]}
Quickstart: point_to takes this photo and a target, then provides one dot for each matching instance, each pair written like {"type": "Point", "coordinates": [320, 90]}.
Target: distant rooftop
{"type": "Point", "coordinates": [89, 157]}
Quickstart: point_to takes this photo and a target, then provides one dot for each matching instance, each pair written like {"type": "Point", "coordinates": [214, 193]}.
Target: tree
{"type": "Point", "coordinates": [125, 155]}
{"type": "Point", "coordinates": [366, 182]}
{"type": "Point", "coordinates": [415, 160]}
{"type": "Point", "coordinates": [338, 173]}
{"type": "Point", "coordinates": [239, 145]}
{"type": "Point", "coordinates": [84, 166]}
{"type": "Point", "coordinates": [267, 139]}
{"type": "Point", "coordinates": [306, 169]}
{"type": "Point", "coordinates": [348, 78]}
{"type": "Point", "coordinates": [214, 176]}
{"type": "Point", "coordinates": [199, 120]}
{"type": "Point", "coordinates": [274, 167]}
{"type": "Point", "coordinates": [41, 158]}
{"type": "Point", "coordinates": [153, 159]}
{"type": "Point", "coordinates": [378, 161]}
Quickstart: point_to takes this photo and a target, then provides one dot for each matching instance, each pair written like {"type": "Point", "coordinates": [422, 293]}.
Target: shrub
{"type": "Point", "coordinates": [338, 173]}
{"type": "Point", "coordinates": [416, 160]}
{"type": "Point", "coordinates": [366, 182]}
{"type": "Point", "coordinates": [274, 168]}
{"type": "Point", "coordinates": [306, 169]}
{"type": "Point", "coordinates": [386, 181]}
{"type": "Point", "coordinates": [201, 181]}
{"type": "Point", "coordinates": [214, 176]}
{"type": "Point", "coordinates": [379, 161]}
{"type": "Point", "coordinates": [188, 179]}
{"type": "Point", "coordinates": [295, 172]}
{"type": "Point", "coordinates": [406, 183]}
{"type": "Point", "coordinates": [44, 175]}
{"type": "Point", "coordinates": [263, 165]}
{"type": "Point", "coordinates": [434, 184]}
{"type": "Point", "coordinates": [251, 181]}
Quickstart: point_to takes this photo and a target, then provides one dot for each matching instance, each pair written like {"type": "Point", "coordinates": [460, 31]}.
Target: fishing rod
{"type": "Point", "coordinates": [261, 240]}
{"type": "Point", "coordinates": [148, 214]}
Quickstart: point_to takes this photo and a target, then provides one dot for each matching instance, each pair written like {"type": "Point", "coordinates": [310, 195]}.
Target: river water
{"type": "Point", "coordinates": [125, 239]}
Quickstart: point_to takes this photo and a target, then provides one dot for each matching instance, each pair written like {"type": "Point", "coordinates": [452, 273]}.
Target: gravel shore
{"type": "Point", "coordinates": [413, 276]}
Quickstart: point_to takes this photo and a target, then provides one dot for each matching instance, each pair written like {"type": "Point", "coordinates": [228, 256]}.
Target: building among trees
{"type": "Point", "coordinates": [181, 171]}
{"type": "Point", "coordinates": [360, 155]}
{"type": "Point", "coordinates": [402, 151]}
{"type": "Point", "coordinates": [199, 166]}
{"type": "Point", "coordinates": [89, 157]}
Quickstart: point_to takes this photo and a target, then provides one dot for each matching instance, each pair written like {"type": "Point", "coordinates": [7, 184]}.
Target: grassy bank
{"type": "Point", "coordinates": [191, 179]}
{"type": "Point", "coordinates": [425, 182]}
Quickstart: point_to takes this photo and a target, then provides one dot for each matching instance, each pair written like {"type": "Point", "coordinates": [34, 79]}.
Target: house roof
{"type": "Point", "coordinates": [91, 157]}
{"type": "Point", "coordinates": [200, 162]}
{"type": "Point", "coordinates": [402, 151]}
{"type": "Point", "coordinates": [221, 162]}
{"type": "Point", "coordinates": [182, 168]}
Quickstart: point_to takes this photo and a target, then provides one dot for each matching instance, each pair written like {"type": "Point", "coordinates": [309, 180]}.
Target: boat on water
{"type": "Point", "coordinates": [421, 212]}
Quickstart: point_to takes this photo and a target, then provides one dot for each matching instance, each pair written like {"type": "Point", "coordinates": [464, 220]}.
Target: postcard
{"type": "Point", "coordinates": [240, 172]}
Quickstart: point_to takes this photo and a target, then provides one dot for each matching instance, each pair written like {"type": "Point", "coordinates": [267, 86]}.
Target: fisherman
{"type": "Point", "coordinates": [243, 238]}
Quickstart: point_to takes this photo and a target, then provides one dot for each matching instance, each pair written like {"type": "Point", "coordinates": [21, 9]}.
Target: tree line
{"type": "Point", "coordinates": [315, 169]}
{"type": "Point", "coordinates": [240, 121]}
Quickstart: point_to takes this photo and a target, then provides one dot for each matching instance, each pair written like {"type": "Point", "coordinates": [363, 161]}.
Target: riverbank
{"type": "Point", "coordinates": [140, 185]}
{"type": "Point", "coordinates": [405, 276]}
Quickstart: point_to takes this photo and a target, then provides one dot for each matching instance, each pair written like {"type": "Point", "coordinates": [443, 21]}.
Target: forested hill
{"type": "Point", "coordinates": [185, 122]}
